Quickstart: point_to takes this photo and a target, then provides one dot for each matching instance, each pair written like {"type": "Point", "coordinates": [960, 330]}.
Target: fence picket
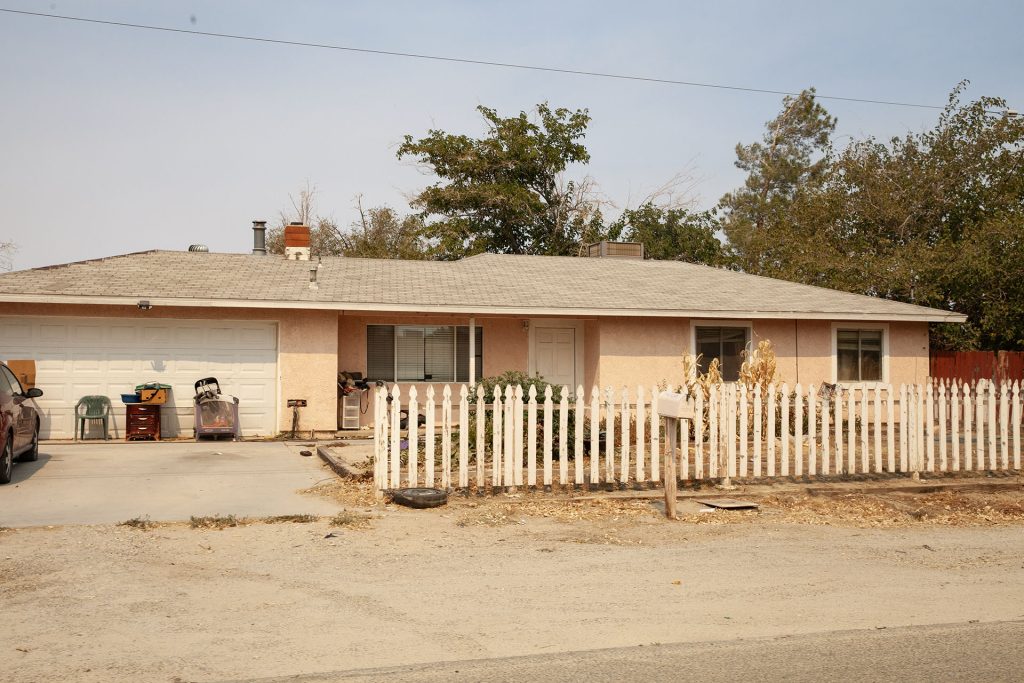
{"type": "Point", "coordinates": [1004, 426]}
{"type": "Point", "coordinates": [943, 463]}
{"type": "Point", "coordinates": [757, 431]}
{"type": "Point", "coordinates": [548, 426]}
{"type": "Point", "coordinates": [826, 437]}
{"type": "Point", "coordinates": [481, 437]}
{"type": "Point", "coordinates": [624, 437]}
{"type": "Point", "coordinates": [578, 438]}
{"type": "Point", "coordinates": [744, 418]}
{"type": "Point", "coordinates": [446, 437]}
{"type": "Point", "coordinates": [979, 424]}
{"type": "Point", "coordinates": [413, 440]}
{"type": "Point", "coordinates": [798, 430]}
{"type": "Point", "coordinates": [641, 422]}
{"type": "Point", "coordinates": [865, 431]}
{"type": "Point", "coordinates": [380, 417]}
{"type": "Point", "coordinates": [771, 398]}
{"type": "Point", "coordinates": [837, 410]}
{"type": "Point", "coordinates": [609, 430]}
{"type": "Point", "coordinates": [929, 417]}
{"type": "Point", "coordinates": [890, 432]}
{"type": "Point", "coordinates": [919, 436]}
{"type": "Point", "coordinates": [784, 431]}
{"type": "Point", "coordinates": [509, 433]}
{"type": "Point", "coordinates": [851, 431]}
{"type": "Point", "coordinates": [1015, 420]}
{"type": "Point", "coordinates": [713, 438]}
{"type": "Point", "coordinates": [698, 434]}
{"type": "Point", "coordinates": [990, 389]}
{"type": "Point", "coordinates": [655, 438]}
{"type": "Point", "coordinates": [463, 436]}
{"type": "Point", "coordinates": [878, 428]}
{"type": "Point", "coordinates": [954, 424]}
{"type": "Point", "coordinates": [968, 435]}
{"type": "Point", "coordinates": [812, 437]}
{"type": "Point", "coordinates": [563, 436]}
{"type": "Point", "coordinates": [429, 435]}
{"type": "Point", "coordinates": [396, 437]}
{"type": "Point", "coordinates": [730, 397]}
{"type": "Point", "coordinates": [531, 437]}
{"type": "Point", "coordinates": [517, 436]}
{"type": "Point", "coordinates": [595, 436]}
{"type": "Point", "coordinates": [497, 439]}
{"type": "Point", "coordinates": [904, 425]}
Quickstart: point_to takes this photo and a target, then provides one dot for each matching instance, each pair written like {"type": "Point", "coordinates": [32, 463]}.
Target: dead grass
{"type": "Point", "coordinates": [142, 523]}
{"type": "Point", "coordinates": [284, 519]}
{"type": "Point", "coordinates": [500, 513]}
{"type": "Point", "coordinates": [350, 520]}
{"type": "Point", "coordinates": [347, 492]}
{"type": "Point", "coordinates": [215, 522]}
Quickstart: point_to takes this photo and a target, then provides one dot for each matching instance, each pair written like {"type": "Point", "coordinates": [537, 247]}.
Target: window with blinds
{"type": "Point", "coordinates": [421, 353]}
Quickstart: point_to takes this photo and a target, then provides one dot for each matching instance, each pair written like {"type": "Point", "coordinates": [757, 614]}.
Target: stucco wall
{"type": "Point", "coordinates": [307, 353]}
{"type": "Point", "coordinates": [640, 351]}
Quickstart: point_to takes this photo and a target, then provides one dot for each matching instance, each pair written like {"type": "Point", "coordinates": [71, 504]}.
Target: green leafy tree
{"type": "Point", "coordinates": [791, 159]}
{"type": "Point", "coordinates": [673, 234]}
{"type": "Point", "coordinates": [508, 192]}
{"type": "Point", "coordinates": [933, 218]}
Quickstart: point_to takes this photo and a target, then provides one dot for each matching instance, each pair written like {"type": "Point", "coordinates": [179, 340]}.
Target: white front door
{"type": "Point", "coordinates": [555, 355]}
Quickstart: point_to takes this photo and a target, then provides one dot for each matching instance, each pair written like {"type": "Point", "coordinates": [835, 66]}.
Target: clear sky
{"type": "Point", "coordinates": [115, 140]}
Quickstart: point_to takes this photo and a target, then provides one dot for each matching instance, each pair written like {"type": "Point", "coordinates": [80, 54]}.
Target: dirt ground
{"type": "Point", "coordinates": [484, 577]}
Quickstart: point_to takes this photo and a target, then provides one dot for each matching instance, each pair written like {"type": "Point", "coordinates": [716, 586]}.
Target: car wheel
{"type": "Point", "coordinates": [7, 462]}
{"type": "Point", "coordinates": [32, 454]}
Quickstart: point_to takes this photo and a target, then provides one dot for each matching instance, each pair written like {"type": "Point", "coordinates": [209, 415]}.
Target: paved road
{"type": "Point", "coordinates": [989, 652]}
{"type": "Point", "coordinates": [109, 483]}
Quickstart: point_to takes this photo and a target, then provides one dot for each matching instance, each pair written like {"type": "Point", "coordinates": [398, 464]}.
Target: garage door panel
{"type": "Point", "coordinates": [70, 363]}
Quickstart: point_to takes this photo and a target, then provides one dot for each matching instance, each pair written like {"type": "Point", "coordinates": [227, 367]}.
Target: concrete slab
{"type": "Point", "coordinates": [109, 483]}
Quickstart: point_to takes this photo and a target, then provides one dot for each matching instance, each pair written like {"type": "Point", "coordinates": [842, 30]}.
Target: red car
{"type": "Point", "coordinates": [19, 423]}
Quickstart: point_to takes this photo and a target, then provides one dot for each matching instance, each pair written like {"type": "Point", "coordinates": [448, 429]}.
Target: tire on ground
{"type": "Point", "coordinates": [420, 498]}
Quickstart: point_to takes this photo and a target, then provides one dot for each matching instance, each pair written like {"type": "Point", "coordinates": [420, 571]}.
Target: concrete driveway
{"type": "Point", "coordinates": [106, 483]}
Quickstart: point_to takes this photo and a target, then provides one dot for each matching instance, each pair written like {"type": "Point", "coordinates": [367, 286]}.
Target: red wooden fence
{"type": "Point", "coordinates": [970, 366]}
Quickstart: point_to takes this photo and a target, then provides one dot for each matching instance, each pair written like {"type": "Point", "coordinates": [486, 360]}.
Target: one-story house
{"type": "Point", "coordinates": [273, 328]}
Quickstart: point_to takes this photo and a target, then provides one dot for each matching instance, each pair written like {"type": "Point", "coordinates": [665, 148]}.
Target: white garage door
{"type": "Point", "coordinates": [76, 357]}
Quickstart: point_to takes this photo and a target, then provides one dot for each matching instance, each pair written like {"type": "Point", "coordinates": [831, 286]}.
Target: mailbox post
{"type": "Point", "coordinates": [673, 407]}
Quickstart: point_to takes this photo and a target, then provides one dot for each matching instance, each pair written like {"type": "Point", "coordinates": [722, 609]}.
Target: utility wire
{"type": "Point", "coordinates": [460, 60]}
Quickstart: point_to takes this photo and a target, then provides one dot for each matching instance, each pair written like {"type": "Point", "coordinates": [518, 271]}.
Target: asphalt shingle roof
{"type": "Point", "coordinates": [502, 283]}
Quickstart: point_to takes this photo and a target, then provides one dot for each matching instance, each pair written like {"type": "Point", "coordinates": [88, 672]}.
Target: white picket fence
{"type": "Point", "coordinates": [615, 437]}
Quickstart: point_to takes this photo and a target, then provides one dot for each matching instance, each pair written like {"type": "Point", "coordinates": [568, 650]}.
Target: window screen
{"type": "Point", "coordinates": [724, 343]}
{"type": "Point", "coordinates": [859, 355]}
{"type": "Point", "coordinates": [418, 353]}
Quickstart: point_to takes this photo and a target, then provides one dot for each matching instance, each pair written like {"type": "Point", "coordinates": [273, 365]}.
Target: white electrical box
{"type": "Point", "coordinates": [673, 405]}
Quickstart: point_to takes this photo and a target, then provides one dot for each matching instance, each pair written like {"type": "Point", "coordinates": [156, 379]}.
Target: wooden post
{"type": "Point", "coordinates": [595, 436]}
{"type": "Point", "coordinates": [672, 431]}
{"type": "Point", "coordinates": [531, 437]}
{"type": "Point", "coordinates": [414, 447]}
{"type": "Point", "coordinates": [577, 445]}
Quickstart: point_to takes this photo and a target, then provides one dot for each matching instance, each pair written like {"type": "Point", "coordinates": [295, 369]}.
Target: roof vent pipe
{"type": "Point", "coordinates": [202, 248]}
{"type": "Point", "coordinates": [259, 238]}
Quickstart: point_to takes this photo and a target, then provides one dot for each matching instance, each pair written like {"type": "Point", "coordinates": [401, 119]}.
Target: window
{"type": "Point", "coordinates": [724, 343]}
{"type": "Point", "coordinates": [859, 355]}
{"type": "Point", "coordinates": [13, 381]}
{"type": "Point", "coordinates": [421, 353]}
{"type": "Point", "coordinates": [5, 385]}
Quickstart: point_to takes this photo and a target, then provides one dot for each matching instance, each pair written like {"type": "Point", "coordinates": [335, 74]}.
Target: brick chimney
{"type": "Point", "coordinates": [296, 242]}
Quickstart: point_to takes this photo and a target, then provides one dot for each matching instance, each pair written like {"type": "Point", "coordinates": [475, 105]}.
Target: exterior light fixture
{"type": "Point", "coordinates": [144, 305]}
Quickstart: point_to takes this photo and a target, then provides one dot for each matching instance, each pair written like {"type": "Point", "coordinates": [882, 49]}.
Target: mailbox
{"type": "Point", "coordinates": [673, 405]}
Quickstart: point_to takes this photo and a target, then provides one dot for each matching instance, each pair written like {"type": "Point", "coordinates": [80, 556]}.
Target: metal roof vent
{"type": "Point", "coordinates": [606, 249]}
{"type": "Point", "coordinates": [198, 247]}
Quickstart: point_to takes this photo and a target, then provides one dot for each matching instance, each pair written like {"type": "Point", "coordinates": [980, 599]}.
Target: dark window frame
{"type": "Point", "coordinates": [882, 353]}
{"type": "Point", "coordinates": [459, 335]}
{"type": "Point", "coordinates": [730, 373]}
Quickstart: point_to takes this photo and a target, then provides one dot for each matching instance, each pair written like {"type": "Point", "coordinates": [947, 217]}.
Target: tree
{"type": "Point", "coordinates": [7, 250]}
{"type": "Point", "coordinates": [508, 192]}
{"type": "Point", "coordinates": [791, 159]}
{"type": "Point", "coordinates": [379, 233]}
{"type": "Point", "coordinates": [673, 234]}
{"type": "Point", "coordinates": [933, 218]}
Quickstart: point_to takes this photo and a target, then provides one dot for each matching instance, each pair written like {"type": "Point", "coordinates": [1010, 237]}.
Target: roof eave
{"type": "Point", "coordinates": [927, 315]}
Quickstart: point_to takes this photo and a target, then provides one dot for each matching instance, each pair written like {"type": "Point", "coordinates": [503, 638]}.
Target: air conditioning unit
{"type": "Point", "coordinates": [606, 249]}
